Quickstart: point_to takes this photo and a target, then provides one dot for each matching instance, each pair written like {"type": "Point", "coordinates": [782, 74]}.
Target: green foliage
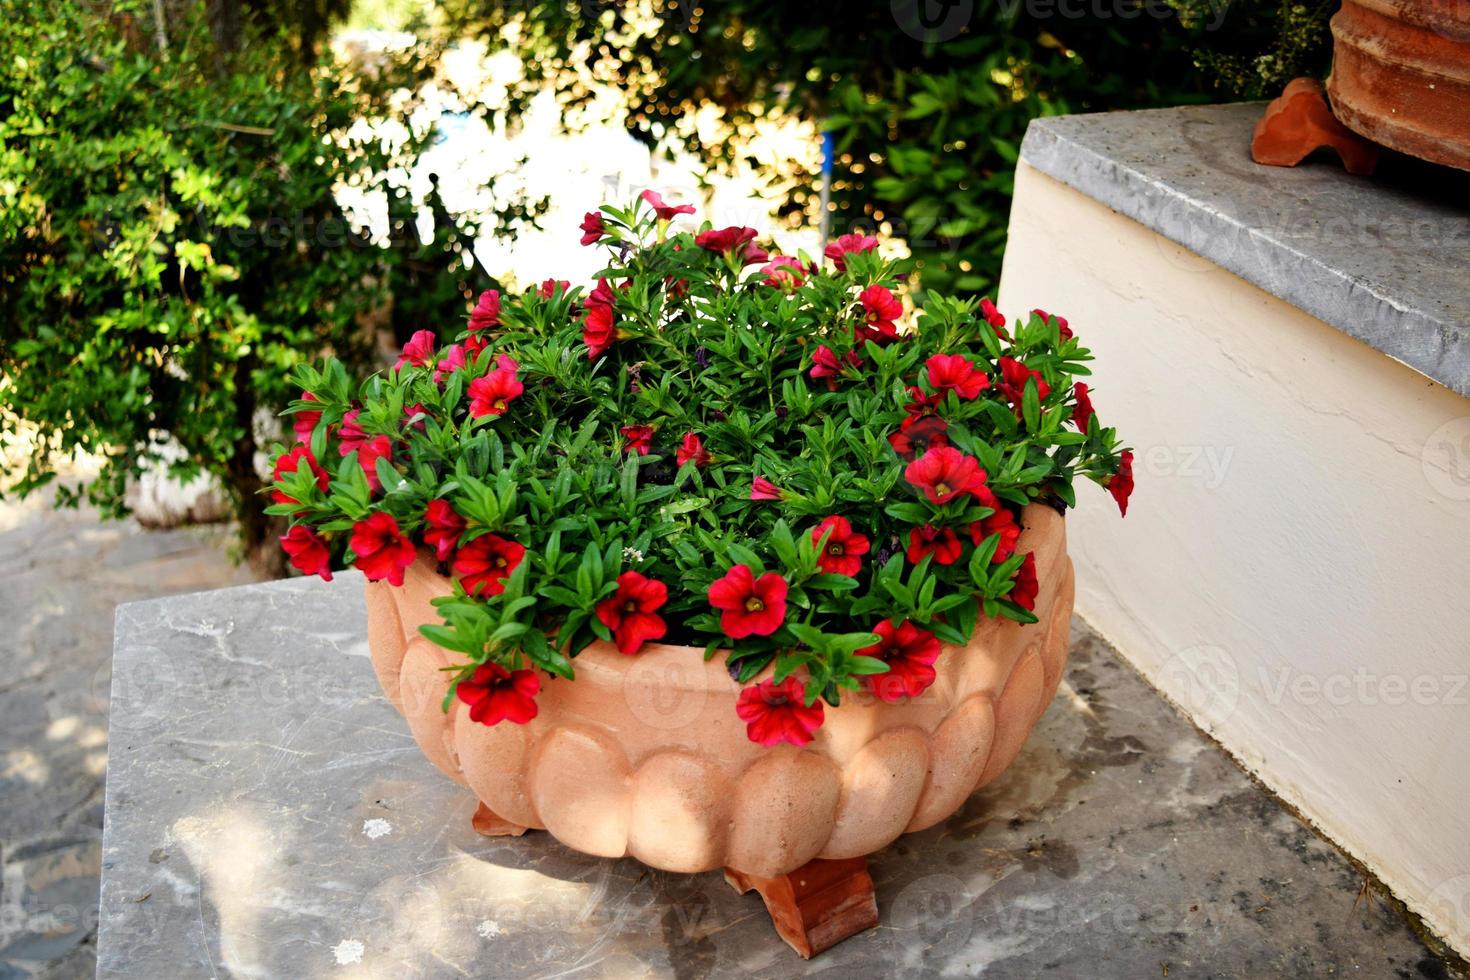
{"type": "Point", "coordinates": [575, 453]}
{"type": "Point", "coordinates": [170, 246]}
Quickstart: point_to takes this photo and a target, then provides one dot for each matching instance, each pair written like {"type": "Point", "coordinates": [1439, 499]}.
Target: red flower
{"type": "Point", "coordinates": [637, 439]}
{"type": "Point", "coordinates": [1083, 412]}
{"type": "Point", "coordinates": [664, 211]}
{"type": "Point", "coordinates": [841, 554]}
{"type": "Point", "coordinates": [304, 424]}
{"type": "Point", "coordinates": [838, 250]}
{"type": "Point", "coordinates": [749, 605]}
{"type": "Point", "coordinates": [630, 612]}
{"type": "Point", "coordinates": [955, 372]}
{"type": "Point", "coordinates": [382, 551]}
{"type": "Point", "coordinates": [492, 394]}
{"type": "Point", "coordinates": [486, 312]}
{"type": "Point", "coordinates": [592, 228]}
{"type": "Point", "coordinates": [753, 254]}
{"type": "Point", "coordinates": [922, 405]}
{"type": "Point", "coordinates": [483, 565]}
{"type": "Point", "coordinates": [763, 489]}
{"type": "Point", "coordinates": [725, 240]}
{"type": "Point", "coordinates": [941, 542]}
{"type": "Point", "coordinates": [350, 435]}
{"type": "Point", "coordinates": [308, 550]}
{"type": "Point", "coordinates": [784, 272]}
{"type": "Point", "coordinates": [1062, 328]}
{"type": "Point", "coordinates": [1014, 376]}
{"type": "Point", "coordinates": [1023, 592]}
{"type": "Point", "coordinates": [826, 364]}
{"type": "Point", "coordinates": [442, 528]}
{"type": "Point", "coordinates": [414, 415]}
{"type": "Point", "coordinates": [291, 462]}
{"type": "Point", "coordinates": [692, 450]}
{"type": "Point", "coordinates": [910, 653]}
{"type": "Point", "coordinates": [1120, 484]}
{"type": "Point", "coordinates": [598, 332]}
{"type": "Point", "coordinates": [917, 434]}
{"type": "Point", "coordinates": [453, 360]}
{"type": "Point", "coordinates": [880, 309]}
{"type": "Point", "coordinates": [1002, 523]}
{"type": "Point", "coordinates": [473, 345]}
{"type": "Point", "coordinates": [495, 694]}
{"type": "Point", "coordinates": [944, 473]}
{"type": "Point", "coordinates": [992, 316]}
{"type": "Point", "coordinates": [418, 351]}
{"type": "Point", "coordinates": [775, 713]}
{"type": "Point", "coordinates": [550, 287]}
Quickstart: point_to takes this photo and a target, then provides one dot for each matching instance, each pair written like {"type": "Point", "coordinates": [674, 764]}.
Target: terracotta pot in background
{"type": "Point", "coordinates": [644, 755]}
{"type": "Point", "coordinates": [1401, 75]}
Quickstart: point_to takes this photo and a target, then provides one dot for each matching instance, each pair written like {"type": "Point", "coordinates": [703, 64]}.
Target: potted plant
{"type": "Point", "coordinates": [731, 561]}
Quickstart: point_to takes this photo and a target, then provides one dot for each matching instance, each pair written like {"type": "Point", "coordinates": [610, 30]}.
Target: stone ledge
{"type": "Point", "coordinates": [1377, 259]}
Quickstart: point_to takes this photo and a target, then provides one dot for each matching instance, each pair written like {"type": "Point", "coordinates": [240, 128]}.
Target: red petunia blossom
{"type": "Point", "coordinates": [592, 228]}
{"type": "Point", "coordinates": [550, 287]}
{"type": "Point", "coordinates": [473, 345]}
{"type": "Point", "coordinates": [691, 450]}
{"type": "Point", "coordinates": [784, 272]}
{"type": "Point", "coordinates": [753, 254]}
{"type": "Point", "coordinates": [291, 462]}
{"type": "Point", "coordinates": [1062, 328]}
{"type": "Point", "coordinates": [415, 416]}
{"type": "Point", "coordinates": [637, 439]}
{"type": "Point", "coordinates": [598, 332]}
{"type": "Point", "coordinates": [1083, 413]}
{"type": "Point", "coordinates": [917, 434]}
{"type": "Point", "coordinates": [1014, 376]}
{"type": "Point", "coordinates": [601, 295]}
{"type": "Point", "coordinates": [923, 405]}
{"type": "Point", "coordinates": [631, 612]}
{"type": "Point", "coordinates": [844, 245]}
{"type": "Point", "coordinates": [957, 373]}
{"type": "Point", "coordinates": [486, 312]}
{"type": "Point", "coordinates": [944, 473]}
{"type": "Point", "coordinates": [442, 527]}
{"type": "Point", "coordinates": [826, 364]}
{"type": "Point", "coordinates": [368, 454]}
{"type": "Point", "coordinates": [492, 394]}
{"type": "Point", "coordinates": [842, 554]}
{"type": "Point", "coordinates": [664, 211]}
{"type": "Point", "coordinates": [725, 240]}
{"type": "Point", "coordinates": [483, 565]}
{"type": "Point", "coordinates": [910, 653]}
{"type": "Point", "coordinates": [775, 713]}
{"type": "Point", "coordinates": [453, 360]}
{"type": "Point", "coordinates": [350, 436]}
{"type": "Point", "coordinates": [880, 309]}
{"type": "Point", "coordinates": [1002, 523]}
{"type": "Point", "coordinates": [763, 489]}
{"type": "Point", "coordinates": [304, 424]}
{"type": "Point", "coordinates": [308, 550]}
{"type": "Point", "coordinates": [419, 350]}
{"type": "Point", "coordinates": [495, 694]}
{"type": "Point", "coordinates": [1023, 593]}
{"type": "Point", "coordinates": [382, 551]}
{"type": "Point", "coordinates": [749, 606]}
{"type": "Point", "coordinates": [1120, 484]}
{"type": "Point", "coordinates": [992, 316]}
{"type": "Point", "coordinates": [941, 542]}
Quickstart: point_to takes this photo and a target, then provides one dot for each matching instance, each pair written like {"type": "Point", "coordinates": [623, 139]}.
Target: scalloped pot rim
{"type": "Point", "coordinates": [644, 754]}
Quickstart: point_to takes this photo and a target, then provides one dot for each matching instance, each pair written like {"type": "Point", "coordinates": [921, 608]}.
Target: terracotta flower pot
{"type": "Point", "coordinates": [644, 755]}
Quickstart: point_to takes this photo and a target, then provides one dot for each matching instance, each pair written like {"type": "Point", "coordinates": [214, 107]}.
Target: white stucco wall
{"type": "Point", "coordinates": [1294, 570]}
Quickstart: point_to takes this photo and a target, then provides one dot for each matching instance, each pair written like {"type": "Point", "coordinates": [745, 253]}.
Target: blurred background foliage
{"type": "Point", "coordinates": [172, 237]}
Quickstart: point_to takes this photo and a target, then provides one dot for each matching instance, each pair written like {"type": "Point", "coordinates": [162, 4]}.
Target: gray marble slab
{"type": "Point", "coordinates": [269, 816]}
{"type": "Point", "coordinates": [1384, 259]}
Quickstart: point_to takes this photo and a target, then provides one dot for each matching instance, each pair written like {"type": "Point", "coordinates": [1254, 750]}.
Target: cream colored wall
{"type": "Point", "coordinates": [1294, 570]}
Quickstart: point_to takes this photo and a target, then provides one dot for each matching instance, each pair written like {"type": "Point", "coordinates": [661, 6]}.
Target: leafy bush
{"type": "Point", "coordinates": [780, 463]}
{"type": "Point", "coordinates": [170, 245]}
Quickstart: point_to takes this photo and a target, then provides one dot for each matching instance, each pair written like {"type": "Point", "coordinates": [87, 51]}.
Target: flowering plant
{"type": "Point", "coordinates": [768, 457]}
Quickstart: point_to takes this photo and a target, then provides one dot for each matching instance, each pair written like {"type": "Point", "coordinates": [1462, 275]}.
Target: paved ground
{"type": "Point", "coordinates": [61, 575]}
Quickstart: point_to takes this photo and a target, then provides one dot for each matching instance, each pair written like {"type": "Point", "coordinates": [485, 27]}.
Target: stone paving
{"type": "Point", "coordinates": [62, 573]}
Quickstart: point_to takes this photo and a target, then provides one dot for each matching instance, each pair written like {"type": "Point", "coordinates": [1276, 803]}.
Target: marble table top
{"type": "Point", "coordinates": [268, 815]}
{"type": "Point", "coordinates": [1385, 259]}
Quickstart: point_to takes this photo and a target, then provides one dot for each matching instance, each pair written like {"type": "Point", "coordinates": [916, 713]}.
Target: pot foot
{"type": "Point", "coordinates": [1300, 122]}
{"type": "Point", "coordinates": [490, 824]}
{"type": "Point", "coordinates": [818, 905]}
